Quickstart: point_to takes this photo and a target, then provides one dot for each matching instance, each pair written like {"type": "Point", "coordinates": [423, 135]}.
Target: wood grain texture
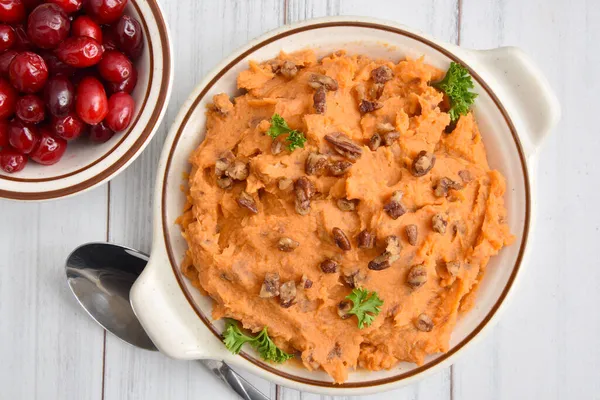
{"type": "Point", "coordinates": [203, 33]}
{"type": "Point", "coordinates": [49, 347]}
{"type": "Point", "coordinates": [545, 343]}
{"type": "Point", "coordinates": [435, 17]}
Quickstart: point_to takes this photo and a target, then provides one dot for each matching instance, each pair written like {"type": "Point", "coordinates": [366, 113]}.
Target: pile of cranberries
{"type": "Point", "coordinates": [66, 69]}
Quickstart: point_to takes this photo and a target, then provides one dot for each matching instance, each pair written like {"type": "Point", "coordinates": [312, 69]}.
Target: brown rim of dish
{"type": "Point", "coordinates": [441, 357]}
{"type": "Point", "coordinates": [136, 146]}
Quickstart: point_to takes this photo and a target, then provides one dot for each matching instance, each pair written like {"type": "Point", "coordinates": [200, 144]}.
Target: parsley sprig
{"type": "Point", "coordinates": [456, 85]}
{"type": "Point", "coordinates": [366, 306]}
{"type": "Point", "coordinates": [295, 139]}
{"type": "Point", "coordinates": [234, 339]}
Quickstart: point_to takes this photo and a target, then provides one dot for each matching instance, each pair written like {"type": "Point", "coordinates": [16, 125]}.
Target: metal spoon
{"type": "Point", "coordinates": [101, 275]}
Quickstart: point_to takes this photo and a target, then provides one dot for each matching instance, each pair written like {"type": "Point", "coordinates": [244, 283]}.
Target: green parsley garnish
{"type": "Point", "coordinates": [366, 306]}
{"type": "Point", "coordinates": [234, 339]}
{"type": "Point", "coordinates": [295, 139]}
{"type": "Point", "coordinates": [456, 85]}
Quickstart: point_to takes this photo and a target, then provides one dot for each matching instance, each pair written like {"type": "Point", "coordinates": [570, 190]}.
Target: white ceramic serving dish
{"type": "Point", "coordinates": [86, 165]}
{"type": "Point", "coordinates": [515, 109]}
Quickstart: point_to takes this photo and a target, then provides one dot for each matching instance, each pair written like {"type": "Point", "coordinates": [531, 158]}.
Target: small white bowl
{"type": "Point", "coordinates": [86, 165]}
{"type": "Point", "coordinates": [515, 110]}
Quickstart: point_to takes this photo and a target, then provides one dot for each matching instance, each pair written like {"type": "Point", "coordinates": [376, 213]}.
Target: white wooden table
{"type": "Point", "coordinates": [546, 345]}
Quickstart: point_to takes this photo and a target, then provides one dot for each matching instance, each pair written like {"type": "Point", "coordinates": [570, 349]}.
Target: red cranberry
{"type": "Point", "coordinates": [69, 127]}
{"type": "Point", "coordinates": [12, 11]}
{"type": "Point", "coordinates": [126, 86]}
{"type": "Point", "coordinates": [80, 52]}
{"type": "Point", "coordinates": [85, 26]}
{"type": "Point", "coordinates": [8, 99]}
{"type": "Point", "coordinates": [3, 134]}
{"type": "Point", "coordinates": [11, 160]}
{"type": "Point", "coordinates": [55, 66]}
{"type": "Point", "coordinates": [120, 111]}
{"type": "Point", "coordinates": [50, 149]}
{"type": "Point", "coordinates": [7, 37]}
{"type": "Point", "coordinates": [100, 133]}
{"type": "Point", "coordinates": [70, 6]}
{"type": "Point", "coordinates": [22, 136]}
{"type": "Point", "coordinates": [48, 25]}
{"type": "Point", "coordinates": [115, 67]}
{"type": "Point", "coordinates": [130, 38]}
{"type": "Point", "coordinates": [91, 102]}
{"type": "Point", "coordinates": [109, 38]}
{"type": "Point", "coordinates": [30, 108]}
{"type": "Point", "coordinates": [59, 95]}
{"type": "Point", "coordinates": [5, 60]}
{"type": "Point", "coordinates": [105, 11]}
{"type": "Point", "coordinates": [22, 42]}
{"type": "Point", "coordinates": [28, 72]}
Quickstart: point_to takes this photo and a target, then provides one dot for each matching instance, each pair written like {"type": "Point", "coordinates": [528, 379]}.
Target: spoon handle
{"type": "Point", "coordinates": [234, 380]}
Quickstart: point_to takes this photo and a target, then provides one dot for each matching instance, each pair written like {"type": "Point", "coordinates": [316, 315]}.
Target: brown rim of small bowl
{"type": "Point", "coordinates": [152, 122]}
{"type": "Point", "coordinates": [442, 357]}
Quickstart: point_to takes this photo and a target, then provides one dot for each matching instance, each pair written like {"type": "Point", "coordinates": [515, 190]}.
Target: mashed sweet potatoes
{"type": "Point", "coordinates": [386, 194]}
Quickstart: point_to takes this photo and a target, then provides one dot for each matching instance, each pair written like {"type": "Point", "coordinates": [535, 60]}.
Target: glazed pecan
{"type": "Point", "coordinates": [329, 266]}
{"type": "Point", "coordinates": [423, 163]}
{"type": "Point", "coordinates": [367, 106]}
{"type": "Point", "coordinates": [444, 185]}
{"type": "Point", "coordinates": [382, 74]}
{"type": "Point", "coordinates": [224, 182]}
{"type": "Point", "coordinates": [246, 201]}
{"type": "Point", "coordinates": [375, 142]}
{"type": "Point", "coordinates": [340, 239]}
{"type": "Point", "coordinates": [343, 309]}
{"type": "Point", "coordinates": [238, 170]}
{"type": "Point", "coordinates": [365, 240]}
{"type": "Point", "coordinates": [389, 256]}
{"type": "Point", "coordinates": [394, 208]}
{"type": "Point", "coordinates": [287, 294]}
{"type": "Point", "coordinates": [344, 146]}
{"type": "Point", "coordinates": [304, 190]}
{"type": "Point", "coordinates": [439, 222]}
{"type": "Point", "coordinates": [270, 286]}
{"type": "Point", "coordinates": [417, 276]}
{"type": "Point", "coordinates": [317, 81]}
{"type": "Point", "coordinates": [424, 323]}
{"type": "Point", "coordinates": [320, 100]}
{"type": "Point", "coordinates": [288, 69]}
{"type": "Point", "coordinates": [316, 164]}
{"type": "Point", "coordinates": [412, 234]}
{"type": "Point", "coordinates": [287, 244]}
{"type": "Point", "coordinates": [347, 205]}
{"type": "Point", "coordinates": [339, 167]}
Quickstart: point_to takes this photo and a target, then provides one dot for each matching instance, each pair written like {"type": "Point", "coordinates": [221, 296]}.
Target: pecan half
{"type": "Point", "coordinates": [354, 279]}
{"type": "Point", "coordinates": [343, 309]}
{"type": "Point", "coordinates": [365, 240]}
{"type": "Point", "coordinates": [394, 208]}
{"type": "Point", "coordinates": [412, 234]}
{"type": "Point", "coordinates": [223, 163]}
{"type": "Point", "coordinates": [316, 164]}
{"type": "Point", "coordinates": [270, 286]}
{"type": "Point", "coordinates": [347, 205]}
{"type": "Point", "coordinates": [287, 294]}
{"type": "Point", "coordinates": [439, 222]}
{"type": "Point", "coordinates": [304, 190]}
{"type": "Point", "coordinates": [340, 239]}
{"type": "Point", "coordinates": [390, 137]}
{"type": "Point", "coordinates": [344, 146]}
{"type": "Point", "coordinates": [453, 267]}
{"type": "Point", "coordinates": [367, 106]}
{"type": "Point", "coordinates": [423, 163]}
{"type": "Point", "coordinates": [224, 182]}
{"type": "Point", "coordinates": [389, 256]}
{"type": "Point", "coordinates": [444, 185]}
{"type": "Point", "coordinates": [382, 74]}
{"type": "Point", "coordinates": [424, 323]}
{"type": "Point", "coordinates": [329, 266]}
{"type": "Point", "coordinates": [317, 81]}
{"type": "Point", "coordinates": [238, 170]}
{"type": "Point", "coordinates": [320, 100]}
{"type": "Point", "coordinates": [417, 276]}
{"type": "Point", "coordinates": [244, 200]}
{"type": "Point", "coordinates": [287, 244]}
{"type": "Point", "coordinates": [288, 69]}
{"type": "Point", "coordinates": [375, 142]}
{"type": "Point", "coordinates": [339, 167]}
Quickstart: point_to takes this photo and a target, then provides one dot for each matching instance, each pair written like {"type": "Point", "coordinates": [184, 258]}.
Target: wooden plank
{"type": "Point", "coordinates": [544, 346]}
{"type": "Point", "coordinates": [49, 347]}
{"type": "Point", "coordinates": [438, 18]}
{"type": "Point", "coordinates": [203, 33]}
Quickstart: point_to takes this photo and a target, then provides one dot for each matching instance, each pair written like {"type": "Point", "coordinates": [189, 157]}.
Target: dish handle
{"type": "Point", "coordinates": [524, 91]}
{"type": "Point", "coordinates": [167, 317]}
